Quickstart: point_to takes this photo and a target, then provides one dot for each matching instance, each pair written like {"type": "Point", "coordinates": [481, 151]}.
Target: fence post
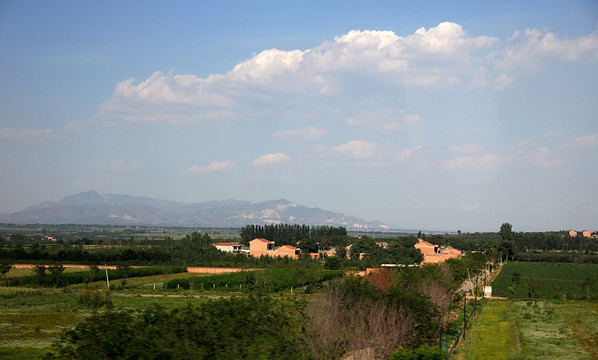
{"type": "Point", "coordinates": [464, 312]}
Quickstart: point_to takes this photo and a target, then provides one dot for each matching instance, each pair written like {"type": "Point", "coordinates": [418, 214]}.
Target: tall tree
{"type": "Point", "coordinates": [507, 246]}
{"type": "Point", "coordinates": [4, 269]}
{"type": "Point", "coordinates": [506, 232]}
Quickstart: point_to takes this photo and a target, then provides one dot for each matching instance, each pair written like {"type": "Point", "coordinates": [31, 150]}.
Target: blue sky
{"type": "Point", "coordinates": [423, 115]}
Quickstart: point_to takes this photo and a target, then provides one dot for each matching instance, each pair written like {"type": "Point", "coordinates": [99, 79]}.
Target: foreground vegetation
{"type": "Point", "coordinates": [538, 321]}
{"type": "Point", "coordinates": [393, 313]}
{"type": "Point", "coordinates": [304, 309]}
{"type": "Point", "coordinates": [533, 330]}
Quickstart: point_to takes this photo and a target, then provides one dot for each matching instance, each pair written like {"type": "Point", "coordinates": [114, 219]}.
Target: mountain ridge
{"type": "Point", "coordinates": [92, 207]}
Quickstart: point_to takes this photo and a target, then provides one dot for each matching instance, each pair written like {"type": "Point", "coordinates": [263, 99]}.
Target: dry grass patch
{"type": "Point", "coordinates": [582, 319]}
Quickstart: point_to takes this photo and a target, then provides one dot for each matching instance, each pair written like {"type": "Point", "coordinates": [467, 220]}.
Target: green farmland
{"type": "Point", "coordinates": [519, 280]}
{"type": "Point", "coordinates": [32, 319]}
{"type": "Point", "coordinates": [539, 330]}
{"type": "Point", "coordinates": [539, 320]}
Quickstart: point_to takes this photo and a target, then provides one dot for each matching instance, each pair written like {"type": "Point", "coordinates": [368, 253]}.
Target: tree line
{"type": "Point", "coordinates": [197, 248]}
{"type": "Point", "coordinates": [550, 246]}
{"type": "Point", "coordinates": [289, 234]}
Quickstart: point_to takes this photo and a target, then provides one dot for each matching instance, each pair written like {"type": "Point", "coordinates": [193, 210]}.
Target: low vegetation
{"type": "Point", "coordinates": [55, 276]}
{"type": "Point", "coordinates": [521, 280]}
{"type": "Point", "coordinates": [532, 330]}
{"type": "Point", "coordinates": [538, 321]}
{"type": "Point", "coordinates": [272, 280]}
{"type": "Point", "coordinates": [303, 309]}
{"type": "Point", "coordinates": [268, 329]}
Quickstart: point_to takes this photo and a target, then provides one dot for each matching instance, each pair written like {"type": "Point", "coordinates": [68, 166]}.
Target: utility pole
{"type": "Point", "coordinates": [107, 280]}
{"type": "Point", "coordinates": [475, 295]}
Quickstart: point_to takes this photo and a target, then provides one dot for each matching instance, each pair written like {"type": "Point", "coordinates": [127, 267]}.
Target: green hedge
{"type": "Point", "coordinates": [269, 280]}
{"type": "Point", "coordinates": [80, 277]}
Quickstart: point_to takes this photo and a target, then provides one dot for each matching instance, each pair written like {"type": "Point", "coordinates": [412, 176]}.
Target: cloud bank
{"type": "Point", "coordinates": [439, 57]}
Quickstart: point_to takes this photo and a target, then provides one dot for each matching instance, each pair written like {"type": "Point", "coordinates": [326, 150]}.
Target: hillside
{"type": "Point", "coordinates": [109, 209]}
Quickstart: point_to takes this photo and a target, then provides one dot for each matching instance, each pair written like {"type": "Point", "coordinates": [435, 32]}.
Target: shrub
{"type": "Point", "coordinates": [235, 328]}
{"type": "Point", "coordinates": [95, 299]}
{"type": "Point", "coordinates": [423, 353]}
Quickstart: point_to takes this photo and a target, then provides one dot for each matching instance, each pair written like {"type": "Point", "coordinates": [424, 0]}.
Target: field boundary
{"type": "Point", "coordinates": [190, 269]}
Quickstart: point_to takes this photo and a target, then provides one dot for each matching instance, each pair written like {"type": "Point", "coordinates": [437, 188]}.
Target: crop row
{"type": "Point", "coordinates": [547, 280]}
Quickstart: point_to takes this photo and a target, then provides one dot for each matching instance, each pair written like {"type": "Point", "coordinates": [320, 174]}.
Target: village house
{"type": "Point", "coordinates": [434, 254]}
{"type": "Point", "coordinates": [584, 233]}
{"type": "Point", "coordinates": [288, 251]}
{"type": "Point", "coordinates": [426, 248]}
{"type": "Point", "coordinates": [260, 247]}
{"type": "Point", "coordinates": [232, 247]}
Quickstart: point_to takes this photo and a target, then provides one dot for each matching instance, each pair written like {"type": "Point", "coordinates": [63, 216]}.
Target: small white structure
{"type": "Point", "coordinates": [228, 247]}
{"type": "Point", "coordinates": [487, 291]}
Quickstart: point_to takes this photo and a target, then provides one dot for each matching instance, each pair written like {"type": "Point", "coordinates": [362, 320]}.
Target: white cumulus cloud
{"type": "Point", "coordinates": [340, 69]}
{"type": "Point", "coordinates": [270, 159]}
{"type": "Point", "coordinates": [437, 57]}
{"type": "Point", "coordinates": [528, 51]}
{"type": "Point", "coordinates": [357, 149]}
{"type": "Point", "coordinates": [212, 167]}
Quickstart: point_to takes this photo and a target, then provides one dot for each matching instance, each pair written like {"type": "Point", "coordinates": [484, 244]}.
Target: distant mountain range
{"type": "Point", "coordinates": [97, 209]}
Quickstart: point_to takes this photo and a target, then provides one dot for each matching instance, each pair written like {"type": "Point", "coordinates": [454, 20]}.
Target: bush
{"type": "Point", "coordinates": [423, 353]}
{"type": "Point", "coordinates": [95, 299]}
{"type": "Point", "coordinates": [179, 283]}
{"type": "Point", "coordinates": [235, 328]}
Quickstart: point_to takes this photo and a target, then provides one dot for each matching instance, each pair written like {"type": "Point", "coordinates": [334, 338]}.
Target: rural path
{"type": "Point", "coordinates": [468, 284]}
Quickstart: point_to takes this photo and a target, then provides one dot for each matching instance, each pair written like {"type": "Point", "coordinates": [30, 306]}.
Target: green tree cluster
{"type": "Point", "coordinates": [290, 234]}
{"type": "Point", "coordinates": [234, 328]}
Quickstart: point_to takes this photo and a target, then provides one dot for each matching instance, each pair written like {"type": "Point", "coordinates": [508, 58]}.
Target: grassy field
{"type": "Point", "coordinates": [539, 321]}
{"type": "Point", "coordinates": [533, 330]}
{"type": "Point", "coordinates": [32, 319]}
{"type": "Point", "coordinates": [140, 283]}
{"type": "Point", "coordinates": [547, 281]}
{"type": "Point", "coordinates": [494, 329]}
